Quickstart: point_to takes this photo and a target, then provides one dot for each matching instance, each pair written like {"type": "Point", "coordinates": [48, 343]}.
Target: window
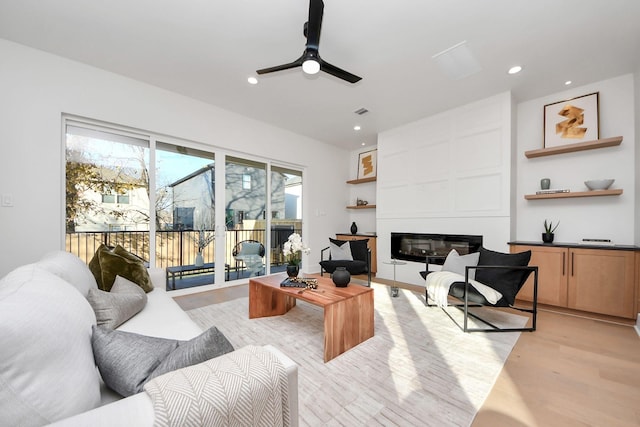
{"type": "Point", "coordinates": [246, 182]}
{"type": "Point", "coordinates": [156, 197]}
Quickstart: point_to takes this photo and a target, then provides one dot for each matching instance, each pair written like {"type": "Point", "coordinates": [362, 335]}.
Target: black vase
{"type": "Point", "coordinates": [341, 277]}
{"type": "Point", "coordinates": [354, 228]}
{"type": "Point", "coordinates": [293, 270]}
{"type": "Point", "coordinates": [547, 237]}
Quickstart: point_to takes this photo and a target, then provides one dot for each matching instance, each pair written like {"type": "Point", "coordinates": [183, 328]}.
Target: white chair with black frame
{"type": "Point", "coordinates": [482, 279]}
{"type": "Point", "coordinates": [250, 253]}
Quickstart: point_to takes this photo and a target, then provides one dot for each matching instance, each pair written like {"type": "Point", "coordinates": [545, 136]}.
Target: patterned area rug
{"type": "Point", "coordinates": [418, 369]}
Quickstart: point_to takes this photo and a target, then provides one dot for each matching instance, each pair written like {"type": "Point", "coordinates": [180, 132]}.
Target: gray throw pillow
{"type": "Point", "coordinates": [456, 263]}
{"type": "Point", "coordinates": [126, 361]}
{"type": "Point", "coordinates": [340, 252]}
{"type": "Point", "coordinates": [112, 309]}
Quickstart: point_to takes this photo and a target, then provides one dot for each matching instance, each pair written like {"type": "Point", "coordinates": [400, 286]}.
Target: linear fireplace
{"type": "Point", "coordinates": [420, 246]}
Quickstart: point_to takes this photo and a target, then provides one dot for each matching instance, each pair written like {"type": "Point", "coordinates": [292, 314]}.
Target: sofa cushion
{"type": "Point", "coordinates": [47, 371]}
{"type": "Point", "coordinates": [107, 264]}
{"type": "Point", "coordinates": [127, 361]}
{"type": "Point", "coordinates": [112, 309]}
{"type": "Point", "coordinates": [70, 268]}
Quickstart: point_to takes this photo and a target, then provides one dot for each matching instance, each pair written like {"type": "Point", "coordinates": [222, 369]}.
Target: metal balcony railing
{"type": "Point", "coordinates": [174, 248]}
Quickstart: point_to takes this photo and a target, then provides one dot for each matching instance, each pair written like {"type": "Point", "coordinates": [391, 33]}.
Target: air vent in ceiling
{"type": "Point", "coordinates": [457, 62]}
{"type": "Point", "coordinates": [361, 111]}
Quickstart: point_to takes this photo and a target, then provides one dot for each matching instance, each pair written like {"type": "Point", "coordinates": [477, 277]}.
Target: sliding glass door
{"type": "Point", "coordinates": [172, 204]}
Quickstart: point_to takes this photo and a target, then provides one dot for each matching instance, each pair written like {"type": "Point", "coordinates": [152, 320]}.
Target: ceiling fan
{"type": "Point", "coordinates": [310, 60]}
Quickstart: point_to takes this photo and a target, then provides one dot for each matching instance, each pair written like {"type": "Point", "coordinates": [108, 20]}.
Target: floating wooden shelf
{"type": "Point", "coordinates": [570, 148]}
{"type": "Point", "coordinates": [362, 180]}
{"type": "Point", "coordinates": [594, 193]}
{"type": "Point", "coordinates": [362, 207]}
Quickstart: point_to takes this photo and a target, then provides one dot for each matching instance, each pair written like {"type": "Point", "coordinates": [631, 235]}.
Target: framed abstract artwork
{"type": "Point", "coordinates": [570, 121]}
{"type": "Point", "coordinates": [367, 164]}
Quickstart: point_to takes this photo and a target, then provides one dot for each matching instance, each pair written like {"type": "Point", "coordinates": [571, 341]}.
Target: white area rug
{"type": "Point", "coordinates": [418, 369]}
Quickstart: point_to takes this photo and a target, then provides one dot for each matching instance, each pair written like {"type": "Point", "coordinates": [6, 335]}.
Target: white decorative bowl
{"type": "Point", "coordinates": [599, 184]}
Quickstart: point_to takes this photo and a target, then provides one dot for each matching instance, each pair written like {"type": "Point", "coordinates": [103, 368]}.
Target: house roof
{"type": "Point", "coordinates": [206, 50]}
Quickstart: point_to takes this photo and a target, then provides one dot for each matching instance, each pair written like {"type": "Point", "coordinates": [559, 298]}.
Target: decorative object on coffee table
{"type": "Point", "coordinates": [354, 228]}
{"type": "Point", "coordinates": [549, 228]}
{"type": "Point", "coordinates": [293, 270]}
{"type": "Point", "coordinates": [293, 249]}
{"type": "Point", "coordinates": [341, 277]}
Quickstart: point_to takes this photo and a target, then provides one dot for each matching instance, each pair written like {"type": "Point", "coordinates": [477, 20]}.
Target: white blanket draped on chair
{"type": "Point", "coordinates": [438, 284]}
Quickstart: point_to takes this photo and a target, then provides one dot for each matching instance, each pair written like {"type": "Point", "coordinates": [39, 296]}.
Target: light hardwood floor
{"type": "Point", "coordinates": [573, 371]}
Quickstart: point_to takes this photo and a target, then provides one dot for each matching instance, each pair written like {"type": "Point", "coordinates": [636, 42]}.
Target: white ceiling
{"type": "Point", "coordinates": [207, 49]}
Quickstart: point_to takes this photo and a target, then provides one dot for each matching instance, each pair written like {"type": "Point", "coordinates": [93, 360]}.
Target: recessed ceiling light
{"type": "Point", "coordinates": [364, 143]}
{"type": "Point", "coordinates": [252, 80]}
{"type": "Point", "coordinates": [568, 82]}
{"type": "Point", "coordinates": [357, 127]}
{"type": "Point", "coordinates": [515, 70]}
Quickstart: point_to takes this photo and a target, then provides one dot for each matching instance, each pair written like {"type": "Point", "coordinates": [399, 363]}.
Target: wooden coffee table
{"type": "Point", "coordinates": [348, 312]}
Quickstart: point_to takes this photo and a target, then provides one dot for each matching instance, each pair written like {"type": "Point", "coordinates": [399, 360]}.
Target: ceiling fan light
{"type": "Point", "coordinates": [311, 66]}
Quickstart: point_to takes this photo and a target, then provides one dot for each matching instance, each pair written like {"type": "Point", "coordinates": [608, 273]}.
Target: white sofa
{"type": "Point", "coordinates": [47, 370]}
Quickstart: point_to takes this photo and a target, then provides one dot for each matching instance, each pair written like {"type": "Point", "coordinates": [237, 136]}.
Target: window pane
{"type": "Point", "coordinates": [99, 166]}
{"type": "Point", "coordinates": [286, 210]}
{"type": "Point", "coordinates": [185, 213]}
{"type": "Point", "coordinates": [245, 212]}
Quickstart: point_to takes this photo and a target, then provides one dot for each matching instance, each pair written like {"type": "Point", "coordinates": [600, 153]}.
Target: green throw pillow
{"type": "Point", "coordinates": [94, 265]}
{"type": "Point", "coordinates": [119, 262]}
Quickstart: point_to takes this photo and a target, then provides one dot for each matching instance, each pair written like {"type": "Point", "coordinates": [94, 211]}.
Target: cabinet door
{"type": "Point", "coordinates": [602, 281]}
{"type": "Point", "coordinates": [371, 244]}
{"type": "Point", "coordinates": [552, 275]}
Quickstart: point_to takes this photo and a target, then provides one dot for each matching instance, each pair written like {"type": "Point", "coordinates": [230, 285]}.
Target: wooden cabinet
{"type": "Point", "coordinates": [594, 280]}
{"type": "Point", "coordinates": [371, 244]}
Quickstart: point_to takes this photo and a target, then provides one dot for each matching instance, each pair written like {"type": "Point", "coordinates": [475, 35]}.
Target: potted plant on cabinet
{"type": "Point", "coordinates": [549, 228]}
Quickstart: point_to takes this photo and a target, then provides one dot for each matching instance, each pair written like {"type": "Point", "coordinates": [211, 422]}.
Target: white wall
{"type": "Point", "coordinates": [37, 87]}
{"type": "Point", "coordinates": [365, 219]}
{"type": "Point", "coordinates": [611, 217]}
{"type": "Point", "coordinates": [449, 173]}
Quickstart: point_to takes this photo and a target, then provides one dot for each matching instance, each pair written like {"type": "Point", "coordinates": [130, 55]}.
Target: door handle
{"type": "Point", "coordinates": [572, 262]}
{"type": "Point", "coordinates": [563, 263]}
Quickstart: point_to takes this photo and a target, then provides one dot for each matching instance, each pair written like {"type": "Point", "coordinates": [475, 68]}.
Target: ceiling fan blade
{"type": "Point", "coordinates": [294, 64]}
{"type": "Point", "coordinates": [314, 25]}
{"type": "Point", "coordinates": [338, 72]}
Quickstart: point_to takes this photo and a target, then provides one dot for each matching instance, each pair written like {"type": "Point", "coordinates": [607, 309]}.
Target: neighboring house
{"type": "Point", "coordinates": [194, 200]}
{"type": "Point", "coordinates": [124, 211]}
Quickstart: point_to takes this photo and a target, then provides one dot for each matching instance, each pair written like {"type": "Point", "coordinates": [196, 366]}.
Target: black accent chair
{"type": "Point", "coordinates": [506, 273]}
{"type": "Point", "coordinates": [360, 252]}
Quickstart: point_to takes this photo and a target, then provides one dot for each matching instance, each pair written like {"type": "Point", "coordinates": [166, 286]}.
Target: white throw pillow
{"type": "Point", "coordinates": [456, 263]}
{"type": "Point", "coordinates": [340, 253]}
{"type": "Point", "coordinates": [69, 267]}
{"type": "Point", "coordinates": [47, 371]}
